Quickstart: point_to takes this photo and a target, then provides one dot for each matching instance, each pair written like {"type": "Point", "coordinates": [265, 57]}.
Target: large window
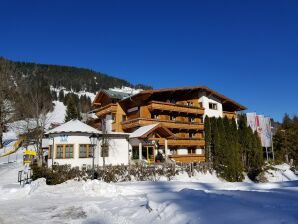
{"type": "Point", "coordinates": [85, 151]}
{"type": "Point", "coordinates": [64, 151]}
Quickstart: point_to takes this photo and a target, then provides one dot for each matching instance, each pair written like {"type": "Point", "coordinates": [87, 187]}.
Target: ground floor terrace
{"type": "Point", "coordinates": [150, 142]}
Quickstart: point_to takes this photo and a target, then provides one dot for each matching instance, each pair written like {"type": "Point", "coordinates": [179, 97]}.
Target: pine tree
{"type": "Point", "coordinates": [61, 96]}
{"type": "Point", "coordinates": [207, 128]}
{"type": "Point", "coordinates": [71, 110]}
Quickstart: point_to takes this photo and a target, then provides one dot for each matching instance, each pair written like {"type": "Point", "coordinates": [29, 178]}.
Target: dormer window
{"type": "Point", "coordinates": [213, 106]}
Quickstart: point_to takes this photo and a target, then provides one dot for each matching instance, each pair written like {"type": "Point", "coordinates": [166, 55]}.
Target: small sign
{"type": "Point", "coordinates": [63, 138]}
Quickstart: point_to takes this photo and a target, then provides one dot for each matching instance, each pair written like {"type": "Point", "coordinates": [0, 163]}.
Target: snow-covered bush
{"type": "Point", "coordinates": [57, 175]}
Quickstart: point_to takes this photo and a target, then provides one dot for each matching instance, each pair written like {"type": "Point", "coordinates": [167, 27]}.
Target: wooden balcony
{"type": "Point", "coordinates": [189, 142]}
{"type": "Point", "coordinates": [229, 115]}
{"type": "Point", "coordinates": [166, 123]}
{"type": "Point", "coordinates": [189, 158]}
{"type": "Point", "coordinates": [110, 108]}
{"type": "Point", "coordinates": [164, 106]}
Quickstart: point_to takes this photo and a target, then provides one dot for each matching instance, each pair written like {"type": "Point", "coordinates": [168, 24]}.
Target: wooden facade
{"type": "Point", "coordinates": [179, 110]}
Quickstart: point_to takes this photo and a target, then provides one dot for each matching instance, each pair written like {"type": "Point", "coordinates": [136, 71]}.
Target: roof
{"type": "Point", "coordinates": [116, 94]}
{"type": "Point", "coordinates": [111, 94]}
{"type": "Point", "coordinates": [146, 130]}
{"type": "Point", "coordinates": [74, 126]}
{"type": "Point", "coordinates": [190, 88]}
{"type": "Point", "coordinates": [142, 130]}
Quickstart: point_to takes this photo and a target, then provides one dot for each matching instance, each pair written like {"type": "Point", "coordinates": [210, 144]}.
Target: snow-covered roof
{"type": "Point", "coordinates": [142, 130]}
{"type": "Point", "coordinates": [74, 126]}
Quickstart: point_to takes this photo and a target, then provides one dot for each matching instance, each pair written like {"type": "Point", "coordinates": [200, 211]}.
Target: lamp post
{"type": "Point", "coordinates": [93, 140]}
{"type": "Point", "coordinates": [52, 152]}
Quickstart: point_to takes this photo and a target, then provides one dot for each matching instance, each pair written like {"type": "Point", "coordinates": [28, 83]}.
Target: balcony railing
{"type": "Point", "coordinates": [230, 115]}
{"type": "Point", "coordinates": [188, 158]}
{"type": "Point", "coordinates": [110, 108]}
{"type": "Point", "coordinates": [167, 123]}
{"type": "Point", "coordinates": [182, 142]}
{"type": "Point", "coordinates": [164, 106]}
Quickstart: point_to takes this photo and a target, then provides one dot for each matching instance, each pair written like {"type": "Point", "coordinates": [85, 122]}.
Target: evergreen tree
{"type": "Point", "coordinates": [208, 138]}
{"type": "Point", "coordinates": [61, 96]}
{"type": "Point", "coordinates": [71, 110]}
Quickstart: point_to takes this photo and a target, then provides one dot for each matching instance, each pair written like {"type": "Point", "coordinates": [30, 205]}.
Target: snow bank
{"type": "Point", "coordinates": [199, 177]}
{"type": "Point", "coordinates": [280, 173]}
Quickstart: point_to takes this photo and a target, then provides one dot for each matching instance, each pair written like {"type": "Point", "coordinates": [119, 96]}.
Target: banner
{"type": "Point", "coordinates": [267, 132]}
{"type": "Point", "coordinates": [262, 125]}
{"type": "Point", "coordinates": [251, 120]}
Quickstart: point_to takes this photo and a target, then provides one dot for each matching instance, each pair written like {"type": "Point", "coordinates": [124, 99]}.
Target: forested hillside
{"type": "Point", "coordinates": [72, 78]}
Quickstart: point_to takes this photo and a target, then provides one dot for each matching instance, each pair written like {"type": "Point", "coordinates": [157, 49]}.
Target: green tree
{"type": "Point", "coordinates": [208, 139]}
{"type": "Point", "coordinates": [71, 110]}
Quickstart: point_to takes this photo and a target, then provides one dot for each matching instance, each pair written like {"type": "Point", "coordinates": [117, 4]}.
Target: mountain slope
{"type": "Point", "coordinates": [71, 78]}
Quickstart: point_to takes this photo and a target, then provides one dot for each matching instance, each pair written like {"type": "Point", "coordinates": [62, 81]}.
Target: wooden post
{"type": "Point", "coordinates": [166, 149]}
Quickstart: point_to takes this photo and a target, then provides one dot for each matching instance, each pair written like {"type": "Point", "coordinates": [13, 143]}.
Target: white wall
{"type": "Point", "coordinates": [210, 99]}
{"type": "Point", "coordinates": [118, 151]}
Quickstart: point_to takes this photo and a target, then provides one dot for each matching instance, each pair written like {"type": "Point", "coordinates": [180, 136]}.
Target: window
{"type": "Point", "coordinates": [173, 118]}
{"type": "Point", "coordinates": [59, 153]}
{"type": "Point", "coordinates": [190, 104]}
{"type": "Point", "coordinates": [154, 116]}
{"type": "Point", "coordinates": [213, 106]}
{"type": "Point", "coordinates": [68, 151]}
{"type": "Point", "coordinates": [191, 135]}
{"type": "Point", "coordinates": [113, 118]}
{"type": "Point", "coordinates": [85, 151]}
{"type": "Point", "coordinates": [64, 152]}
{"type": "Point", "coordinates": [123, 117]}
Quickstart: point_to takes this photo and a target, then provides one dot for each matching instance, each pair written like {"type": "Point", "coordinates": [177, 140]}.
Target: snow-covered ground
{"type": "Point", "coordinates": [201, 199]}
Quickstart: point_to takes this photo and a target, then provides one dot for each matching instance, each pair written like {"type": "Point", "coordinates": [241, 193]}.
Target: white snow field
{"type": "Point", "coordinates": [201, 199]}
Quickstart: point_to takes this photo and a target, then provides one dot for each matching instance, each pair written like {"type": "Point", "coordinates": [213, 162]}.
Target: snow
{"type": "Point", "coordinates": [200, 199]}
{"type": "Point", "coordinates": [80, 93]}
{"type": "Point", "coordinates": [142, 130]}
{"type": "Point", "coordinates": [280, 173]}
{"type": "Point", "coordinates": [125, 89]}
{"type": "Point", "coordinates": [57, 115]}
{"type": "Point", "coordinates": [74, 126]}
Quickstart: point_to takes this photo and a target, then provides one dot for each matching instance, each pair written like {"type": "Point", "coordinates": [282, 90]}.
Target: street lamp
{"type": "Point", "coordinates": [93, 140]}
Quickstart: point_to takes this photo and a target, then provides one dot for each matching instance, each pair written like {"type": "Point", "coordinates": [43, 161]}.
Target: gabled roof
{"type": "Point", "coordinates": [111, 94]}
{"type": "Point", "coordinates": [117, 95]}
{"type": "Point", "coordinates": [144, 131]}
{"type": "Point", "coordinates": [74, 126]}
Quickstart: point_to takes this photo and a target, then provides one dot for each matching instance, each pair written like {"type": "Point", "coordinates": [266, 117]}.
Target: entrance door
{"type": "Point", "coordinates": [148, 153]}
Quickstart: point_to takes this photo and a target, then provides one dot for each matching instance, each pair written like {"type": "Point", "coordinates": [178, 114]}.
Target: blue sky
{"type": "Point", "coordinates": [247, 50]}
